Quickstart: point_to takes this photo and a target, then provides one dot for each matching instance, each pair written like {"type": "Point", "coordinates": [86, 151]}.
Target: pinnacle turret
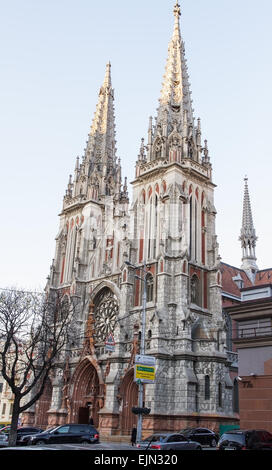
{"type": "Point", "coordinates": [248, 236]}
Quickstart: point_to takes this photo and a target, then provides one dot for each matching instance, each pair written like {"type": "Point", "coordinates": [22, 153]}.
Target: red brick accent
{"type": "Point", "coordinates": [205, 290]}
{"type": "Point", "coordinates": [141, 247]}
{"type": "Point", "coordinates": [62, 270]}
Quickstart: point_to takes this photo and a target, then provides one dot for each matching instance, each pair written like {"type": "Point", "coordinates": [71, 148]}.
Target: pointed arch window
{"type": "Point", "coordinates": [195, 290]}
{"type": "Point", "coordinates": [155, 226]}
{"type": "Point", "coordinates": [207, 387]}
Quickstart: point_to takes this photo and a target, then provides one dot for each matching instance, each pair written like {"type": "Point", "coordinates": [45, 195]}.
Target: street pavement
{"type": "Point", "coordinates": [101, 446]}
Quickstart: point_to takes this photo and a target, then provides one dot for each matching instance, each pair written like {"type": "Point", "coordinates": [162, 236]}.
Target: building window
{"type": "Point", "coordinates": [149, 336]}
{"type": "Point", "coordinates": [149, 287]}
{"type": "Point", "coordinates": [207, 387]}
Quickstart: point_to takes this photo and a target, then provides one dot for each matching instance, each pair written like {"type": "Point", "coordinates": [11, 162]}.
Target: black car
{"type": "Point", "coordinates": [202, 435]}
{"type": "Point", "coordinates": [245, 440]}
{"type": "Point", "coordinates": [26, 431]}
{"type": "Point", "coordinates": [26, 437]}
{"type": "Point", "coordinates": [22, 432]}
{"type": "Point", "coordinates": [68, 433]}
{"type": "Point", "coordinates": [166, 441]}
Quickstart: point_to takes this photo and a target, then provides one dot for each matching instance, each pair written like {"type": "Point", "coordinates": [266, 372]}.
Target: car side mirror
{"type": "Point", "coordinates": [56, 432]}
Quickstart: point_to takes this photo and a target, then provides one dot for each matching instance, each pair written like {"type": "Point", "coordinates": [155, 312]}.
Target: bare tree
{"type": "Point", "coordinates": [35, 329]}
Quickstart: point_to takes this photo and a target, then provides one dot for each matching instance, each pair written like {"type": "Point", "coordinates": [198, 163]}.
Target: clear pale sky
{"type": "Point", "coordinates": [53, 55]}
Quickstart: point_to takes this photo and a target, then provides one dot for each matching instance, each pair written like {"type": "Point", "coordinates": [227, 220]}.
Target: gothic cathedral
{"type": "Point", "coordinates": [103, 242]}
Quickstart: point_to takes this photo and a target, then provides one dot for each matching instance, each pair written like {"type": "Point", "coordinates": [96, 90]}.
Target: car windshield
{"type": "Point", "coordinates": [233, 437]}
{"type": "Point", "coordinates": [155, 437]}
{"type": "Point", "coordinates": [50, 430]}
{"type": "Point", "coordinates": [186, 431]}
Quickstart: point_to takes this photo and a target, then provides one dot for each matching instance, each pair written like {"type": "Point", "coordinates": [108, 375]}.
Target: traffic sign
{"type": "Point", "coordinates": [110, 343]}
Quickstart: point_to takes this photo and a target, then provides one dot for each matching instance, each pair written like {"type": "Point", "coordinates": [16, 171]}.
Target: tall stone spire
{"type": "Point", "coordinates": [101, 146]}
{"type": "Point", "coordinates": [248, 237]}
{"type": "Point", "coordinates": [99, 174]}
{"type": "Point", "coordinates": [175, 93]}
{"type": "Point", "coordinates": [175, 136]}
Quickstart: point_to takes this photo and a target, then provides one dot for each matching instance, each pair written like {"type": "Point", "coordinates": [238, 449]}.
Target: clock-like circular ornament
{"type": "Point", "coordinates": [105, 314]}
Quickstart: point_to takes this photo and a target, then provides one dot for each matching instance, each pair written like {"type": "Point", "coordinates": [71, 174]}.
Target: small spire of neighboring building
{"type": "Point", "coordinates": [248, 237]}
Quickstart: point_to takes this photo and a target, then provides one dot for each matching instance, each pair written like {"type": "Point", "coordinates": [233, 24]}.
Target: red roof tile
{"type": "Point", "coordinates": [263, 277]}
{"type": "Point", "coordinates": [228, 284]}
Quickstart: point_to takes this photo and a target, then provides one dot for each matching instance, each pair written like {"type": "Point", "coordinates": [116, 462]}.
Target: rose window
{"type": "Point", "coordinates": [106, 310]}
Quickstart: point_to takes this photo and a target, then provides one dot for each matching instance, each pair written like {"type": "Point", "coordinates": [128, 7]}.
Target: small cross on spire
{"type": "Point", "coordinates": [177, 10]}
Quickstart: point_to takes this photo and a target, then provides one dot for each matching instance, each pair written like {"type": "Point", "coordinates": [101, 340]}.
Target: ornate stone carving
{"type": "Point", "coordinates": [105, 315]}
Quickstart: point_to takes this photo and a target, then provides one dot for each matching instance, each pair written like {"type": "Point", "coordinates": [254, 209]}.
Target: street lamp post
{"type": "Point", "coordinates": [142, 347]}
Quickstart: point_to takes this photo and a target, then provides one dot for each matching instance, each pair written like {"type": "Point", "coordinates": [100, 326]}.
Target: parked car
{"type": "Point", "coordinates": [202, 435]}
{"type": "Point", "coordinates": [3, 439]}
{"type": "Point", "coordinates": [68, 433]}
{"type": "Point", "coordinates": [5, 429]}
{"type": "Point", "coordinates": [245, 440]}
{"type": "Point", "coordinates": [21, 432]}
{"type": "Point", "coordinates": [25, 432]}
{"type": "Point", "coordinates": [26, 437]}
{"type": "Point", "coordinates": [165, 441]}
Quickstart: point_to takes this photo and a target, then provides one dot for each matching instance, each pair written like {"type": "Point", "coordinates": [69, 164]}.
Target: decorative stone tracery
{"type": "Point", "coordinates": [105, 314]}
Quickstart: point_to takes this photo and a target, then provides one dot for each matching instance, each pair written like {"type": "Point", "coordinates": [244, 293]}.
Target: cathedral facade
{"type": "Point", "coordinates": [103, 243]}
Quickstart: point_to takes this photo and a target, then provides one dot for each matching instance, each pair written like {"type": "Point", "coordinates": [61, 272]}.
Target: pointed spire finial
{"type": "Point", "coordinates": [177, 12]}
{"type": "Point", "coordinates": [248, 236]}
{"type": "Point", "coordinates": [107, 79]}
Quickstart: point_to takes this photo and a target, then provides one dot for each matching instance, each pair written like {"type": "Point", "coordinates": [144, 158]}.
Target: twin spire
{"type": "Point", "coordinates": [175, 91]}
{"type": "Point", "coordinates": [99, 174]}
{"type": "Point", "coordinates": [174, 134]}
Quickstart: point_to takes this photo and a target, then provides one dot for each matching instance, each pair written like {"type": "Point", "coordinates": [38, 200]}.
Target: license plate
{"type": "Point", "coordinates": [230, 448]}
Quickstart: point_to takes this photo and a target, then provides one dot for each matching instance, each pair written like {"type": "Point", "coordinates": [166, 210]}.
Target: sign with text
{"type": "Point", "coordinates": [145, 369]}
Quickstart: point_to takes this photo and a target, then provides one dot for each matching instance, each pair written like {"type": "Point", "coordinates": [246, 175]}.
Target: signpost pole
{"type": "Point", "coordinates": [142, 352]}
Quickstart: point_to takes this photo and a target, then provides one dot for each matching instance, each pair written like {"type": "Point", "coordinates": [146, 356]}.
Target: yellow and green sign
{"type": "Point", "coordinates": [144, 372]}
{"type": "Point", "coordinates": [145, 369]}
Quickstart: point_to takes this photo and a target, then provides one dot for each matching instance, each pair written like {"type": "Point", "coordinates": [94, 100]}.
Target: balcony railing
{"type": "Point", "coordinates": [254, 332]}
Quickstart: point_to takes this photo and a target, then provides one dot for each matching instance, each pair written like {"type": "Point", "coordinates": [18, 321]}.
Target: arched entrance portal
{"type": "Point", "coordinates": [129, 395]}
{"type": "Point", "coordinates": [43, 405]}
{"type": "Point", "coordinates": [85, 398]}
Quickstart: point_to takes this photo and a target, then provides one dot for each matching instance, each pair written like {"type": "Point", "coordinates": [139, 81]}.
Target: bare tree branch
{"type": "Point", "coordinates": [34, 330]}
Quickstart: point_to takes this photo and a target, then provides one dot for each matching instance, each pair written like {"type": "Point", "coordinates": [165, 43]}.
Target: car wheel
{"type": "Point", "coordinates": [40, 443]}
{"type": "Point", "coordinates": [213, 443]}
{"type": "Point", "coordinates": [85, 443]}
{"type": "Point", "coordinates": [198, 448]}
